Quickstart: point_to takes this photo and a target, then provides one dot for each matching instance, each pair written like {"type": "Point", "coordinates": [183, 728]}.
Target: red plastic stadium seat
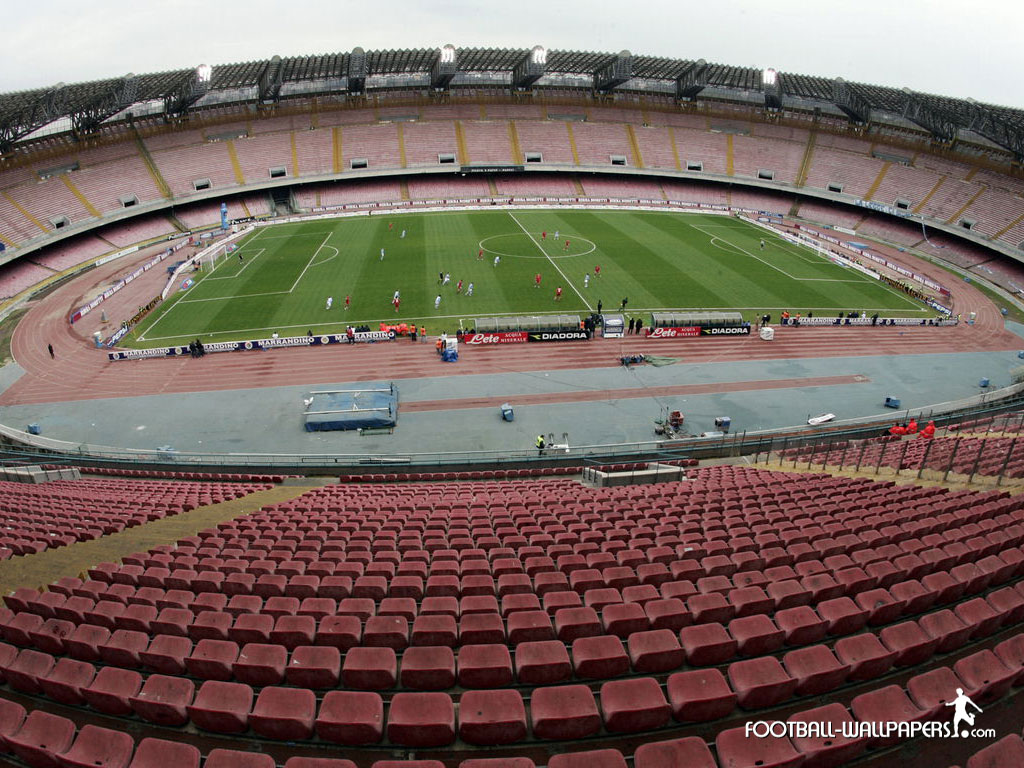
{"type": "Point", "coordinates": [1011, 653]}
{"type": "Point", "coordinates": [314, 666]}
{"type": "Point", "coordinates": [96, 746]}
{"type": "Point", "coordinates": [490, 718]}
{"type": "Point", "coordinates": [370, 668]}
{"type": "Point", "coordinates": [212, 659]}
{"type": "Point", "coordinates": [484, 666]}
{"type": "Point", "coordinates": [599, 657]}
{"type": "Point", "coordinates": [12, 716]}
{"type": "Point", "coordinates": [41, 738]}
{"type": "Point", "coordinates": [737, 750]}
{"type": "Point", "coordinates": [158, 753]}
{"type": "Point", "coordinates": [1009, 750]}
{"type": "Point", "coordinates": [284, 713]}
{"type": "Point", "coordinates": [865, 655]}
{"type": "Point", "coordinates": [342, 632]}
{"type": "Point", "coordinates": [670, 613]}
{"type": "Point", "coordinates": [432, 630]}
{"type": "Point", "coordinates": [700, 695]}
{"type": "Point", "coordinates": [542, 663]}
{"type": "Point", "coordinates": [351, 718]}
{"type": "Point", "coordinates": [111, 690]}
{"type": "Point", "coordinates": [985, 677]}
{"type": "Point", "coordinates": [25, 672]}
{"type": "Point", "coordinates": [816, 670]}
{"type": "Point", "coordinates": [691, 752]}
{"type": "Point", "coordinates": [166, 654]}
{"type": "Point", "coordinates": [564, 712]}
{"type": "Point", "coordinates": [430, 668]}
{"type": "Point", "coordinates": [885, 704]}
{"type": "Point", "coordinates": [318, 762]}
{"type": "Point", "coordinates": [66, 680]}
{"type": "Point", "coordinates": [260, 664]}
{"type": "Point", "coordinates": [163, 700]}
{"type": "Point", "coordinates": [912, 645]}
{"type": "Point", "coordinates": [843, 616]}
{"type": "Point", "coordinates": [573, 623]}
{"type": "Point", "coordinates": [421, 720]}
{"type": "Point", "coordinates": [932, 691]}
{"type": "Point", "coordinates": [633, 705]}
{"type": "Point", "coordinates": [756, 635]}
{"type": "Point", "coordinates": [760, 682]}
{"type": "Point", "coordinates": [707, 644]}
{"type": "Point", "coordinates": [947, 628]}
{"type": "Point", "coordinates": [821, 750]}
{"type": "Point", "coordinates": [222, 707]}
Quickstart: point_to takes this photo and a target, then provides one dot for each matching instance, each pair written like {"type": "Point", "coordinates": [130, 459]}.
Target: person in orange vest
{"type": "Point", "coordinates": [912, 427]}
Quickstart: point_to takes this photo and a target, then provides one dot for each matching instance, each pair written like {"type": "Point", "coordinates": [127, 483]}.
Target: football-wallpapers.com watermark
{"type": "Point", "coordinates": [878, 729]}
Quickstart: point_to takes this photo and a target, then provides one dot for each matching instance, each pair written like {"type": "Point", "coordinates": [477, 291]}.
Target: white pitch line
{"type": "Point", "coordinates": [567, 280]}
{"type": "Point", "coordinates": [310, 262]}
{"type": "Point", "coordinates": [259, 252]}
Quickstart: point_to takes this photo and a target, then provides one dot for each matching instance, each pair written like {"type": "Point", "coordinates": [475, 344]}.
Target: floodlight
{"type": "Point", "coordinates": [769, 76]}
{"type": "Point", "coordinates": [539, 55]}
{"type": "Point", "coordinates": [448, 54]}
{"type": "Point", "coordinates": [203, 72]}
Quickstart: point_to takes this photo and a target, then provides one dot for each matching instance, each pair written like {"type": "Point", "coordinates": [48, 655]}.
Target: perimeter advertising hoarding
{"type": "Point", "coordinates": [496, 337]}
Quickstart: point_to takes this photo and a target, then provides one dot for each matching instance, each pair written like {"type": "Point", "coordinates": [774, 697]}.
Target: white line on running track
{"type": "Point", "coordinates": [567, 280]}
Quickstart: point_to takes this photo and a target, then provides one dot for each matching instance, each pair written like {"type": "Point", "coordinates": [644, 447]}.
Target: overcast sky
{"type": "Point", "coordinates": [947, 47]}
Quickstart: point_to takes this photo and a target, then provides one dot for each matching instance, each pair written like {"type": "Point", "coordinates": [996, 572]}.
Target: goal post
{"type": "Point", "coordinates": [214, 256]}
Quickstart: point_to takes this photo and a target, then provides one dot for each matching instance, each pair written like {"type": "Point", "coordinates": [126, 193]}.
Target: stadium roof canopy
{"type": "Point", "coordinates": [83, 108]}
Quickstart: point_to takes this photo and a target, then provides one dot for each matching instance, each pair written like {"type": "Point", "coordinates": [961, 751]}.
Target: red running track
{"type": "Point", "coordinates": [81, 372]}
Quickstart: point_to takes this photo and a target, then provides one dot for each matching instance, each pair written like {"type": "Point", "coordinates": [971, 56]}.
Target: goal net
{"type": "Point", "coordinates": [212, 257]}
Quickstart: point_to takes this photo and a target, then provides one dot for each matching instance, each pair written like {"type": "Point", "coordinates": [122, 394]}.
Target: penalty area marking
{"type": "Point", "coordinates": [483, 245]}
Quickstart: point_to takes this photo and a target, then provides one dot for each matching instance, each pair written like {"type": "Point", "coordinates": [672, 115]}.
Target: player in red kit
{"type": "Point", "coordinates": [536, 280]}
{"type": "Point", "coordinates": [558, 293]}
{"type": "Point", "coordinates": [348, 300]}
{"type": "Point", "coordinates": [544, 235]}
{"type": "Point", "coordinates": [597, 271]}
{"type": "Point", "coordinates": [566, 246]}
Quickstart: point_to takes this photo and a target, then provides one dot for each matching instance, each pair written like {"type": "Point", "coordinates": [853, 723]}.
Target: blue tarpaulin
{"type": "Point", "coordinates": [366, 405]}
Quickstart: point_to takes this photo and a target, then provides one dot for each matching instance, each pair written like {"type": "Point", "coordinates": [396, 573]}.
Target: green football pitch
{"type": "Point", "coordinates": [280, 277]}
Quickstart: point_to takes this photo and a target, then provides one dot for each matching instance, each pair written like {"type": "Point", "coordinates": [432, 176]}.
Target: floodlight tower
{"type": "Point", "coordinates": [772, 90]}
{"type": "Point", "coordinates": [357, 72]}
{"type": "Point", "coordinates": [188, 91]}
{"type": "Point", "coordinates": [692, 81]}
{"type": "Point", "coordinates": [613, 74]}
{"type": "Point", "coordinates": [531, 69]}
{"type": "Point", "coordinates": [444, 69]}
{"type": "Point", "coordinates": [851, 102]}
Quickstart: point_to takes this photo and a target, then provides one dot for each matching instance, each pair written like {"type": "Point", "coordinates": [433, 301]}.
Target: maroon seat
{"type": "Point", "coordinates": [707, 644]}
{"type": "Point", "coordinates": [912, 645]}
{"type": "Point", "coordinates": [886, 704]}
{"type": "Point", "coordinates": [865, 655]}
{"type": "Point", "coordinates": [737, 750]}
{"type": "Point", "coordinates": [96, 746]}
{"type": "Point", "coordinates": [760, 682]}
{"type": "Point", "coordinates": [756, 635]}
{"type": "Point", "coordinates": [434, 630]}
{"type": "Point", "coordinates": [691, 752]}
{"type": "Point", "coordinates": [284, 713]}
{"type": "Point", "coordinates": [634, 705]}
{"type": "Point", "coordinates": [314, 667]}
{"type": "Point", "coordinates": [491, 718]}
{"type": "Point", "coordinates": [421, 720]}
{"type": "Point", "coordinates": [980, 616]}
{"type": "Point", "coordinates": [1011, 653]}
{"type": "Point", "coordinates": [166, 654]}
{"type": "Point", "coordinates": [542, 663]}
{"type": "Point", "coordinates": [573, 623]}
{"type": "Point", "coordinates": [801, 625]}
{"type": "Point", "coordinates": [318, 762]}
{"type": "Point", "coordinates": [212, 659]}
{"type": "Point", "coordinates": [933, 691]}
{"type": "Point", "coordinates": [564, 712]}
{"type": "Point", "coordinates": [41, 738]}
{"type": "Point", "coordinates": [50, 637]}
{"type": "Point", "coordinates": [370, 668]}
{"type": "Point", "coordinates": [163, 700]}
{"type": "Point", "coordinates": [342, 632]}
{"type": "Point", "coordinates": [111, 690]}
{"type": "Point", "coordinates": [700, 695]}
{"type": "Point", "coordinates": [985, 677]}
{"type": "Point", "coordinates": [65, 681]}
{"type": "Point", "coordinates": [260, 664]}
{"type": "Point", "coordinates": [481, 629]}
{"type": "Point", "coordinates": [351, 718]}
{"type": "Point", "coordinates": [251, 628]}
{"type": "Point", "coordinates": [222, 707]}
{"type": "Point", "coordinates": [1009, 750]}
{"type": "Point", "coordinates": [528, 627]}
{"type": "Point", "coordinates": [828, 749]}
{"type": "Point", "coordinates": [122, 648]}
{"type": "Point", "coordinates": [669, 613]}
{"type": "Point", "coordinates": [844, 617]}
{"type": "Point", "coordinates": [84, 643]}
{"type": "Point", "coordinates": [484, 666]}
{"type": "Point", "coordinates": [158, 753]}
{"type": "Point", "coordinates": [655, 650]}
{"type": "Point", "coordinates": [429, 668]}
{"type": "Point", "coordinates": [25, 672]}
{"type": "Point", "coordinates": [291, 631]}
{"type": "Point", "coordinates": [947, 628]}
{"type": "Point", "coordinates": [624, 619]}
{"type": "Point", "coordinates": [599, 657]}
{"type": "Point", "coordinates": [815, 669]}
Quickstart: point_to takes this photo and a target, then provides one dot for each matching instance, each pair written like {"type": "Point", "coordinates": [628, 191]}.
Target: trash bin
{"type": "Point", "coordinates": [723, 423]}
{"type": "Point", "coordinates": [506, 412]}
{"type": "Point", "coordinates": [892, 402]}
{"type": "Point", "coordinates": [983, 383]}
{"type": "Point", "coordinates": [33, 429]}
